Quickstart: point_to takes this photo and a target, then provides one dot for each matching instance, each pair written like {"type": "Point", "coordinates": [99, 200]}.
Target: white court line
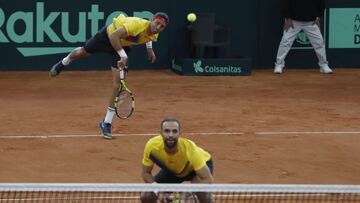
{"type": "Point", "coordinates": [304, 133]}
{"type": "Point", "coordinates": [199, 133]}
{"type": "Point", "coordinates": [114, 135]}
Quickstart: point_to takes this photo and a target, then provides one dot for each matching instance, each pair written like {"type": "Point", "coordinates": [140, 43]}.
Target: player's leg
{"type": "Point", "coordinates": [105, 125]}
{"type": "Point", "coordinates": [313, 32]}
{"type": "Point", "coordinates": [75, 54]}
{"type": "Point", "coordinates": [115, 86]}
{"type": "Point", "coordinates": [285, 45]}
{"type": "Point", "coordinates": [98, 43]}
{"type": "Point", "coordinates": [148, 197]}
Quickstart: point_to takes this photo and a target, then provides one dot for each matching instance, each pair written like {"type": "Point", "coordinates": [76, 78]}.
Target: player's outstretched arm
{"type": "Point", "coordinates": [114, 38]}
{"type": "Point", "coordinates": [203, 175]}
{"type": "Point", "coordinates": [148, 197]}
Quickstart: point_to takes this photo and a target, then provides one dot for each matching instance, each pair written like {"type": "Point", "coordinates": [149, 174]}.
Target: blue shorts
{"type": "Point", "coordinates": [166, 176]}
{"type": "Point", "coordinates": [100, 43]}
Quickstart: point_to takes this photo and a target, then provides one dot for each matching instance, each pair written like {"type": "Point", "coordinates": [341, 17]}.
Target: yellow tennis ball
{"type": "Point", "coordinates": [191, 17]}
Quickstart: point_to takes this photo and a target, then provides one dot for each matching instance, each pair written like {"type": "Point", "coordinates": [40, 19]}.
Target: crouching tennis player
{"type": "Point", "coordinates": [179, 159]}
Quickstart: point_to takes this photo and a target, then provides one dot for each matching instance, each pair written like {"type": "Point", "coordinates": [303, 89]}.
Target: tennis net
{"type": "Point", "coordinates": [247, 193]}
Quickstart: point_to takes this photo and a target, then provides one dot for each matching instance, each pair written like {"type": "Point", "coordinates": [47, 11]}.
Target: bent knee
{"type": "Point", "coordinates": [147, 197]}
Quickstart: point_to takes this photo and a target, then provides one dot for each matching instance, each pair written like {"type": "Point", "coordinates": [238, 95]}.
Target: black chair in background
{"type": "Point", "coordinates": [208, 40]}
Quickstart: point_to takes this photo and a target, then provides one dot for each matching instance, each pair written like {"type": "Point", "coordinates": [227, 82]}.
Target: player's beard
{"type": "Point", "coordinates": [152, 30]}
{"type": "Point", "coordinates": [170, 143]}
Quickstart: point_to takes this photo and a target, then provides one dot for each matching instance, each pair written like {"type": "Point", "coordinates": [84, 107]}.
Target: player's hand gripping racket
{"type": "Point", "coordinates": [124, 100]}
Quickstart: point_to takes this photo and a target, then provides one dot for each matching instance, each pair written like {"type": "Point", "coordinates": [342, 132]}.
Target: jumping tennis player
{"type": "Point", "coordinates": [116, 40]}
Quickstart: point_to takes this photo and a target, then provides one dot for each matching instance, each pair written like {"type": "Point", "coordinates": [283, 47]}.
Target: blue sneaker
{"type": "Point", "coordinates": [56, 69]}
{"type": "Point", "coordinates": [105, 129]}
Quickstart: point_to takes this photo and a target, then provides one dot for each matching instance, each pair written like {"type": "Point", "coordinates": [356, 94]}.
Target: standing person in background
{"type": "Point", "coordinates": [116, 40]}
{"type": "Point", "coordinates": [180, 160]}
{"type": "Point", "coordinates": [303, 15]}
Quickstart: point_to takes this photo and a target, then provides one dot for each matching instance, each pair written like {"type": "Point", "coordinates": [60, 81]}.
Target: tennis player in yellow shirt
{"type": "Point", "coordinates": [179, 159]}
{"type": "Point", "coordinates": [116, 40]}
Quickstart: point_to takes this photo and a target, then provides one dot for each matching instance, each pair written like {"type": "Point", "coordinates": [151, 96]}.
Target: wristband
{"type": "Point", "coordinates": [122, 53]}
{"type": "Point", "coordinates": [149, 44]}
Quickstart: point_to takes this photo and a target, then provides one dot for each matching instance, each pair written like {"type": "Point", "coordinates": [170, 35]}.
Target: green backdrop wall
{"type": "Point", "coordinates": [36, 34]}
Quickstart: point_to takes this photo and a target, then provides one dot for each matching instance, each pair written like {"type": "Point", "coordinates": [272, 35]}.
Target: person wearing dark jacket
{"type": "Point", "coordinates": [304, 16]}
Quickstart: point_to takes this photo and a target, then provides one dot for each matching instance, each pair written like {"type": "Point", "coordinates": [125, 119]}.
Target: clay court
{"type": "Point", "coordinates": [298, 127]}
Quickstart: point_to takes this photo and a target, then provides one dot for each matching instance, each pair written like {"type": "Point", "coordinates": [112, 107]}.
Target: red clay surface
{"type": "Point", "coordinates": [33, 104]}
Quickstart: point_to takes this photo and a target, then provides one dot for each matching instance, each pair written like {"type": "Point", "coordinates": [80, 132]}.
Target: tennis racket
{"type": "Point", "coordinates": [124, 100]}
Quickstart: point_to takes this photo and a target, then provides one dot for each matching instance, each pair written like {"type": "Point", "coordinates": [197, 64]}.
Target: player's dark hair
{"type": "Point", "coordinates": [163, 15]}
{"type": "Point", "coordinates": [170, 119]}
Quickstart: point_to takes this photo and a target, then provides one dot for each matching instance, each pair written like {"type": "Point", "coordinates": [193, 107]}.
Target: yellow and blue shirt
{"type": "Point", "coordinates": [189, 156]}
{"type": "Point", "coordinates": [137, 30]}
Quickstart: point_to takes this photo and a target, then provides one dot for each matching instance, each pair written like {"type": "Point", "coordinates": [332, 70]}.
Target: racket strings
{"type": "Point", "coordinates": [124, 104]}
{"type": "Point", "coordinates": [181, 197]}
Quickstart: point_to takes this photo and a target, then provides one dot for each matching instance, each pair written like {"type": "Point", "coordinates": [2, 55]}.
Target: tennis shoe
{"type": "Point", "coordinates": [56, 69]}
{"type": "Point", "coordinates": [105, 129]}
{"type": "Point", "coordinates": [325, 69]}
{"type": "Point", "coordinates": [278, 69]}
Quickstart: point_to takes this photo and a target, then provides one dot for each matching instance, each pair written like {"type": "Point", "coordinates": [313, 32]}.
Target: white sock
{"type": "Point", "coordinates": [109, 115]}
{"type": "Point", "coordinates": [66, 61]}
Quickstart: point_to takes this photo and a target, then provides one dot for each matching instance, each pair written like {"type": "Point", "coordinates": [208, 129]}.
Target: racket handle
{"type": "Point", "coordinates": [122, 74]}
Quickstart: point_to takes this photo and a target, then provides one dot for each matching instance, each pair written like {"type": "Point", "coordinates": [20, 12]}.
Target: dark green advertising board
{"type": "Point", "coordinates": [213, 67]}
{"type": "Point", "coordinates": [344, 28]}
{"type": "Point", "coordinates": [35, 34]}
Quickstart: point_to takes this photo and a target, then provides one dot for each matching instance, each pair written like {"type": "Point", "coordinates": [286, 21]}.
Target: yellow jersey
{"type": "Point", "coordinates": [137, 30]}
{"type": "Point", "coordinates": [188, 158]}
